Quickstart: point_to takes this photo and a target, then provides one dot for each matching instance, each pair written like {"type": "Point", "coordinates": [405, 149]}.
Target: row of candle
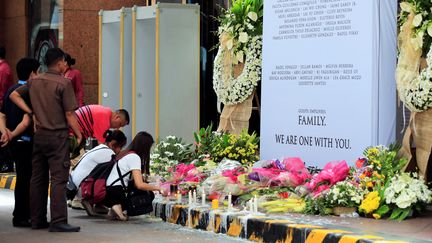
{"type": "Point", "coordinates": [251, 205]}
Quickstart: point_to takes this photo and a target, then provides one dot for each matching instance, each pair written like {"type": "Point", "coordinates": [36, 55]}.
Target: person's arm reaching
{"type": "Point", "coordinates": [141, 185]}
{"type": "Point", "coordinates": [73, 123]}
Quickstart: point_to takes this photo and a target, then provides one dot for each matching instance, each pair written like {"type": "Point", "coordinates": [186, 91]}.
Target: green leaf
{"type": "Point", "coordinates": [383, 210]}
{"type": "Point", "coordinates": [197, 139]}
{"type": "Point", "coordinates": [396, 213]}
{"type": "Point", "coordinates": [404, 214]}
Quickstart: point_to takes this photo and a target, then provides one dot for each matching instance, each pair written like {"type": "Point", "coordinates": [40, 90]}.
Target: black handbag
{"type": "Point", "coordinates": [138, 202]}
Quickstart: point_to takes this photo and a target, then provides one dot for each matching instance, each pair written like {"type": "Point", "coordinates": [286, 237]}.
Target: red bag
{"type": "Point", "coordinates": [93, 187]}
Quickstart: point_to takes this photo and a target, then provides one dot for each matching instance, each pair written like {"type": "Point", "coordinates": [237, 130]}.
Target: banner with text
{"type": "Point", "coordinates": [318, 83]}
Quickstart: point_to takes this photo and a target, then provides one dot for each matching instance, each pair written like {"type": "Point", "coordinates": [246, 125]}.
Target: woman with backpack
{"type": "Point", "coordinates": [115, 140]}
{"type": "Point", "coordinates": [132, 163]}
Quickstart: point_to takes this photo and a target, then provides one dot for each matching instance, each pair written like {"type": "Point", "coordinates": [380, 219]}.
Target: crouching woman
{"type": "Point", "coordinates": [132, 162]}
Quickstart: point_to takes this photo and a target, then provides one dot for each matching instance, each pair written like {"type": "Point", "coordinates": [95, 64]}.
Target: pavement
{"type": "Point", "coordinates": [418, 229]}
{"type": "Point", "coordinates": [138, 229]}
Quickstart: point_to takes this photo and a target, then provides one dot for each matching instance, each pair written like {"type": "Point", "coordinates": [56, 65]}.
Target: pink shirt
{"type": "Point", "coordinates": [75, 77]}
{"type": "Point", "coordinates": [6, 79]}
{"type": "Point", "coordinates": [99, 116]}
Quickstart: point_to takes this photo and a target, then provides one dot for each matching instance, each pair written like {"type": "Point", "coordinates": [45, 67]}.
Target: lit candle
{"type": "Point", "coordinates": [256, 205]}
{"type": "Point", "coordinates": [190, 198]}
{"type": "Point", "coordinates": [179, 197]}
{"type": "Point", "coordinates": [229, 201]}
{"type": "Point", "coordinates": [194, 197]}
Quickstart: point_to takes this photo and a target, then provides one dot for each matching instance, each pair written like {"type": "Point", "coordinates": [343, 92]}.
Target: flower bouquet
{"type": "Point", "coordinates": [379, 164]}
{"type": "Point", "coordinates": [345, 197]}
{"type": "Point", "coordinates": [332, 173]}
{"type": "Point", "coordinates": [167, 154]}
{"type": "Point", "coordinates": [291, 172]}
{"type": "Point", "coordinates": [242, 148]}
{"type": "Point", "coordinates": [407, 193]}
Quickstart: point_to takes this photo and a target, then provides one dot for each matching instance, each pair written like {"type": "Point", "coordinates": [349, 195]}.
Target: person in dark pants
{"type": "Point", "coordinates": [21, 144]}
{"type": "Point", "coordinates": [53, 101]}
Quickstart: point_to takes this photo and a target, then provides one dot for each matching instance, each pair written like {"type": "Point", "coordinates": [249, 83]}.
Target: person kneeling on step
{"type": "Point", "coordinates": [132, 160]}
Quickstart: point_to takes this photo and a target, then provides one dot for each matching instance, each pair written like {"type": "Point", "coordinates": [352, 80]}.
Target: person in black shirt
{"type": "Point", "coordinates": [20, 126]}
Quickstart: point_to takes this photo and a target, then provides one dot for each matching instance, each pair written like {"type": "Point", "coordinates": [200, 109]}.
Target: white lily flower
{"type": "Point", "coordinates": [243, 37]}
{"type": "Point", "coordinates": [417, 20]}
{"type": "Point", "coordinates": [429, 29]}
{"type": "Point", "coordinates": [406, 7]}
{"type": "Point", "coordinates": [240, 56]}
{"type": "Point", "coordinates": [253, 16]}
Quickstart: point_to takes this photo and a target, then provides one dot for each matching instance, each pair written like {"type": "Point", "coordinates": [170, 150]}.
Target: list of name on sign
{"type": "Point", "coordinates": [307, 19]}
{"type": "Point", "coordinates": [315, 74]}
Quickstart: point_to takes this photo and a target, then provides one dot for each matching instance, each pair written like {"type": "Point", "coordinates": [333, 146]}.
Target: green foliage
{"type": "Point", "coordinates": [319, 205]}
{"type": "Point", "coordinates": [385, 161]}
{"type": "Point", "coordinates": [204, 140]}
{"type": "Point", "coordinates": [241, 8]}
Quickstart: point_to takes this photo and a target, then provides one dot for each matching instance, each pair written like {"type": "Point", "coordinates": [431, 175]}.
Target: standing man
{"type": "Point", "coordinates": [6, 78]}
{"type": "Point", "coordinates": [53, 102]}
{"type": "Point", "coordinates": [21, 144]}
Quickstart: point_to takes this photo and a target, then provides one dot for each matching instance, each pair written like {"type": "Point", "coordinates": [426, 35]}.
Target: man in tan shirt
{"type": "Point", "coordinates": [53, 101]}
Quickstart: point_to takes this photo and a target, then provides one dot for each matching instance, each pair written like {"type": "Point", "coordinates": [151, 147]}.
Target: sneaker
{"type": "Point", "coordinates": [88, 208]}
{"type": "Point", "coordinates": [76, 204]}
{"type": "Point", "coordinates": [119, 212]}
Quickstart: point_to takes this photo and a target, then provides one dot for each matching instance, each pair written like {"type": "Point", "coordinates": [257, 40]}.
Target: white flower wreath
{"type": "Point", "coordinates": [230, 90]}
{"type": "Point", "coordinates": [417, 95]}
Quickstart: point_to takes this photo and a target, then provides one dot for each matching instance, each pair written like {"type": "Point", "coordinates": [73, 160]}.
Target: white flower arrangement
{"type": "Point", "coordinates": [421, 24]}
{"type": "Point", "coordinates": [417, 95]}
{"type": "Point", "coordinates": [345, 194]}
{"type": "Point", "coordinates": [240, 36]}
{"type": "Point", "coordinates": [406, 191]}
{"type": "Point", "coordinates": [167, 154]}
{"type": "Point", "coordinates": [232, 90]}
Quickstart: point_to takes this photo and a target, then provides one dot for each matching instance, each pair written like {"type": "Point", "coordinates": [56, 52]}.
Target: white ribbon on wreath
{"type": "Point", "coordinates": [230, 90]}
